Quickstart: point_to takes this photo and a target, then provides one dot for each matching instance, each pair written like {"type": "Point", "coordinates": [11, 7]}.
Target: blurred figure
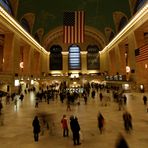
{"type": "Point", "coordinates": [64, 126]}
{"type": "Point", "coordinates": [8, 99]}
{"type": "Point", "coordinates": [85, 98]}
{"type": "Point", "coordinates": [2, 119]}
{"type": "Point", "coordinates": [21, 97]}
{"type": "Point", "coordinates": [36, 128]}
{"type": "Point", "coordinates": [124, 99]}
{"type": "Point", "coordinates": [145, 100]}
{"type": "Point", "coordinates": [100, 122]}
{"type": "Point", "coordinates": [15, 102]}
{"type": "Point", "coordinates": [121, 142]}
{"type": "Point", "coordinates": [43, 124]}
{"type": "Point", "coordinates": [93, 93]}
{"type": "Point", "coordinates": [36, 103]}
{"type": "Point", "coordinates": [1, 106]}
{"type": "Point", "coordinates": [75, 128]}
{"type": "Point", "coordinates": [68, 101]}
{"type": "Point", "coordinates": [127, 118]}
{"type": "Point", "coordinates": [101, 96]}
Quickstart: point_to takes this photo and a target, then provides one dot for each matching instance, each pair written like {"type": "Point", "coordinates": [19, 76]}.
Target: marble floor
{"type": "Point", "coordinates": [17, 131]}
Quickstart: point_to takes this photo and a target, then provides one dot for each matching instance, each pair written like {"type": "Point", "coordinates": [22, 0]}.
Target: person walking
{"type": "Point", "coordinates": [124, 99]}
{"type": "Point", "coordinates": [64, 126]}
{"type": "Point", "coordinates": [1, 106]}
{"type": "Point", "coordinates": [100, 122]}
{"type": "Point", "coordinates": [93, 93]}
{"type": "Point", "coordinates": [75, 128]}
{"type": "Point", "coordinates": [2, 119]}
{"type": "Point", "coordinates": [36, 128]}
{"type": "Point", "coordinates": [127, 118]}
{"type": "Point", "coordinates": [85, 98]}
{"type": "Point", "coordinates": [15, 102]}
{"type": "Point", "coordinates": [101, 96]}
{"type": "Point", "coordinates": [68, 102]}
{"type": "Point", "coordinates": [145, 100]}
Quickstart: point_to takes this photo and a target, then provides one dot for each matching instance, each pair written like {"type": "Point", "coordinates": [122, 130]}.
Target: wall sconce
{"type": "Point", "coordinates": [21, 65]}
{"type": "Point", "coordinates": [128, 69]}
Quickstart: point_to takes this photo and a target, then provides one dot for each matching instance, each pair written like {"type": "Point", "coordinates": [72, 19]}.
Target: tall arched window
{"type": "Point", "coordinates": [74, 58]}
{"type": "Point", "coordinates": [25, 25]}
{"type": "Point", "coordinates": [93, 58]}
{"type": "Point", "coordinates": [6, 4]}
{"type": "Point", "coordinates": [122, 23]}
{"type": "Point", "coordinates": [56, 57]}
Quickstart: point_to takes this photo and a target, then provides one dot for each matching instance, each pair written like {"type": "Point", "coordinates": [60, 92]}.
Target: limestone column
{"type": "Point", "coordinates": [65, 62]}
{"type": "Point", "coordinates": [31, 61]}
{"type": "Point", "coordinates": [44, 63]}
{"type": "Point", "coordinates": [36, 63]}
{"type": "Point", "coordinates": [49, 62]}
{"type": "Point", "coordinates": [84, 62]}
{"type": "Point", "coordinates": [8, 53]}
{"type": "Point", "coordinates": [26, 60]}
{"type": "Point", "coordinates": [132, 46]}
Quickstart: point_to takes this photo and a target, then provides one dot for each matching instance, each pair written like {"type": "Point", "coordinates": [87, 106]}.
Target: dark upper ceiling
{"type": "Point", "coordinates": [49, 14]}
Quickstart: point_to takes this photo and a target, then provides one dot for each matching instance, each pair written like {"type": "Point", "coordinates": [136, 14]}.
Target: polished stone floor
{"type": "Point", "coordinates": [17, 131]}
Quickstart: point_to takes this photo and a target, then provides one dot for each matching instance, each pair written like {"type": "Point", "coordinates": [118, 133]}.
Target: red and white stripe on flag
{"type": "Point", "coordinates": [142, 53]}
{"type": "Point", "coordinates": [73, 29]}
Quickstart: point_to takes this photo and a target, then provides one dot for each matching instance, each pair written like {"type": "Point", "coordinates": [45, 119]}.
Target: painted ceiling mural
{"type": "Point", "coordinates": [49, 14]}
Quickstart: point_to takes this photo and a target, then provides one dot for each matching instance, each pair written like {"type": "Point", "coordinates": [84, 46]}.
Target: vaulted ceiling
{"type": "Point", "coordinates": [49, 14]}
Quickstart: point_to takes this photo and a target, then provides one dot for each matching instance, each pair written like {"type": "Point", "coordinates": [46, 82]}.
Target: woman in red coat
{"type": "Point", "coordinates": [64, 126]}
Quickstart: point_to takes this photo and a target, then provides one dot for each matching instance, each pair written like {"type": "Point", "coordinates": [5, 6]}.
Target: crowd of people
{"type": "Point", "coordinates": [70, 98]}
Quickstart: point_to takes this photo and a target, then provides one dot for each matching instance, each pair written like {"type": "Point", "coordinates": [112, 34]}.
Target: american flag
{"type": "Point", "coordinates": [73, 27]}
{"type": "Point", "coordinates": [141, 53]}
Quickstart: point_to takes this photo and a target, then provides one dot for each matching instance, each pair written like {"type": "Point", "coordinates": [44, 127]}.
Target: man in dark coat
{"type": "Point", "coordinates": [121, 143]}
{"type": "Point", "coordinates": [75, 127]}
{"type": "Point", "coordinates": [127, 118]}
{"type": "Point", "coordinates": [36, 128]}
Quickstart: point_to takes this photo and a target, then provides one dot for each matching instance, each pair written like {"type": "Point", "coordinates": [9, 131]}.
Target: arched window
{"type": "Point", "coordinates": [122, 23]}
{"type": "Point", "coordinates": [56, 57]}
{"type": "Point", "coordinates": [25, 25]}
{"type": "Point", "coordinates": [74, 58]}
{"type": "Point", "coordinates": [138, 5]}
{"type": "Point", "coordinates": [93, 58]}
{"type": "Point", "coordinates": [6, 4]}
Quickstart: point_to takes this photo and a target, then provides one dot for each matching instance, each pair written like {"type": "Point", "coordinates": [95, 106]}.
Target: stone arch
{"type": "Point", "coordinates": [134, 4]}
{"type": "Point", "coordinates": [57, 34]}
{"type": "Point", "coordinates": [109, 34]}
{"type": "Point", "coordinates": [7, 6]}
{"type": "Point", "coordinates": [39, 35]}
{"type": "Point", "coordinates": [14, 5]}
{"type": "Point", "coordinates": [30, 18]}
{"type": "Point", "coordinates": [117, 16]}
{"type": "Point", "coordinates": [138, 5]}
